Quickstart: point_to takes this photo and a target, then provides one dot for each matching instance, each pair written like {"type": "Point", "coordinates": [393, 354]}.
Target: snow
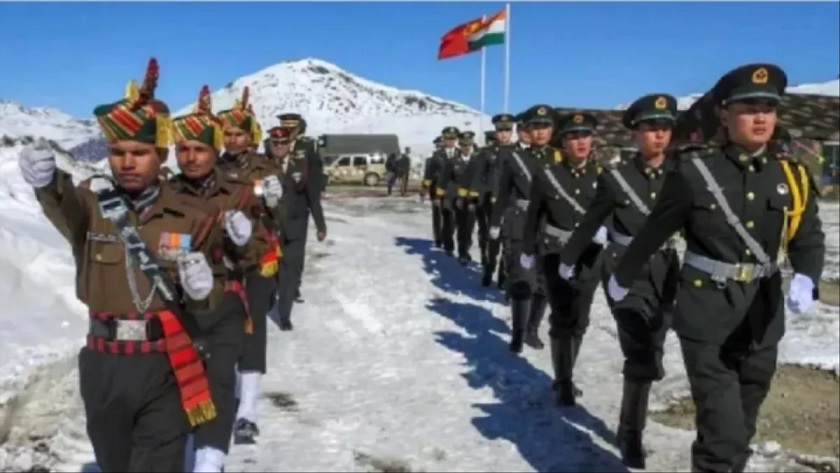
{"type": "Point", "coordinates": [17, 121]}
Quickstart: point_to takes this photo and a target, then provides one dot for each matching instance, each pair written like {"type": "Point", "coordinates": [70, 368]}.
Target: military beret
{"type": "Point", "coordinates": [577, 122]}
{"type": "Point", "coordinates": [658, 108]}
{"type": "Point", "coordinates": [764, 82]}
{"type": "Point", "coordinates": [503, 121]}
{"type": "Point", "coordinates": [290, 120]}
{"type": "Point", "coordinates": [540, 115]}
{"type": "Point", "coordinates": [280, 133]}
{"type": "Point", "coordinates": [450, 133]}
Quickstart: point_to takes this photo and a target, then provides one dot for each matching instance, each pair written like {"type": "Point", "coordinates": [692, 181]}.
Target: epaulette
{"type": "Point", "coordinates": [695, 150]}
{"type": "Point", "coordinates": [97, 183]}
{"type": "Point", "coordinates": [558, 156]}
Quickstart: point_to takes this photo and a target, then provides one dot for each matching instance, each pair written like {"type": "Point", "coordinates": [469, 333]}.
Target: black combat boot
{"type": "Point", "coordinates": [532, 338]}
{"type": "Point", "coordinates": [488, 268]}
{"type": "Point", "coordinates": [244, 432]}
{"type": "Point", "coordinates": [631, 422]}
{"type": "Point", "coordinates": [562, 359]}
{"type": "Point", "coordinates": [519, 311]}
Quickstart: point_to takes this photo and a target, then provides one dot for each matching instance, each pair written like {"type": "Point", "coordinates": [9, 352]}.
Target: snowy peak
{"type": "Point", "coordinates": [18, 121]}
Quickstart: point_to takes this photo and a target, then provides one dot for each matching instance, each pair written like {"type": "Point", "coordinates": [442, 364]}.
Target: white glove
{"type": "Point", "coordinates": [37, 163]}
{"type": "Point", "coordinates": [238, 227]}
{"type": "Point", "coordinates": [600, 238]}
{"type": "Point", "coordinates": [526, 261]}
{"type": "Point", "coordinates": [196, 275]}
{"type": "Point", "coordinates": [566, 272]}
{"type": "Point", "coordinates": [800, 296]}
{"type": "Point", "coordinates": [272, 190]}
{"type": "Point", "coordinates": [494, 233]}
{"type": "Point", "coordinates": [616, 292]}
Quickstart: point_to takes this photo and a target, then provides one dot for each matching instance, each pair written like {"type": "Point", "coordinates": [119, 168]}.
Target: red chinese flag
{"type": "Point", "coordinates": [456, 42]}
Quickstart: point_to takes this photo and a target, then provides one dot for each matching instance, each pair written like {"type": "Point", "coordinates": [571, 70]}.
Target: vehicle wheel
{"type": "Point", "coordinates": [371, 179]}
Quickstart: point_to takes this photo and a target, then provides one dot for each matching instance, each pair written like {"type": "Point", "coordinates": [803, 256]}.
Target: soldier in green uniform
{"type": "Point", "coordinates": [428, 186]}
{"type": "Point", "coordinates": [440, 161]}
{"type": "Point", "coordinates": [625, 194]}
{"type": "Point", "coordinates": [456, 196]}
{"type": "Point", "coordinates": [741, 203]}
{"type": "Point", "coordinates": [146, 269]}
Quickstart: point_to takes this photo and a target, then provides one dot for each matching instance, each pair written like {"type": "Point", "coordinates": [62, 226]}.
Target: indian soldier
{"type": "Point", "coordinates": [303, 148]}
{"type": "Point", "coordinates": [300, 176]}
{"type": "Point", "coordinates": [403, 170]}
{"type": "Point", "coordinates": [517, 166]}
{"type": "Point", "coordinates": [454, 196]}
{"type": "Point", "coordinates": [741, 204]}
{"type": "Point", "coordinates": [560, 195]}
{"type": "Point", "coordinates": [146, 270]}
{"type": "Point", "coordinates": [428, 186]}
{"type": "Point", "coordinates": [241, 131]}
{"type": "Point", "coordinates": [624, 196]}
{"type": "Point", "coordinates": [484, 174]}
{"type": "Point", "coordinates": [440, 162]}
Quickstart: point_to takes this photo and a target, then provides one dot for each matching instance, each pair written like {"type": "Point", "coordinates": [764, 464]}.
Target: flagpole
{"type": "Point", "coordinates": [507, 59]}
{"type": "Point", "coordinates": [483, 85]}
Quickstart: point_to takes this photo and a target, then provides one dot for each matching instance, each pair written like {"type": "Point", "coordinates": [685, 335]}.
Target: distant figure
{"type": "Point", "coordinates": [403, 168]}
{"type": "Point", "coordinates": [391, 169]}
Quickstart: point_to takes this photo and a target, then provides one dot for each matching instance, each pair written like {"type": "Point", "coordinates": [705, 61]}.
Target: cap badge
{"type": "Point", "coordinates": [760, 76]}
{"type": "Point", "coordinates": [660, 103]}
{"type": "Point", "coordinates": [578, 118]}
{"type": "Point", "coordinates": [542, 111]}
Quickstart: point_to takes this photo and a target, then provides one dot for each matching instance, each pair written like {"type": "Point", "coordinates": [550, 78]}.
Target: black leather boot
{"type": "Point", "coordinates": [562, 354]}
{"type": "Point", "coordinates": [519, 311]}
{"type": "Point", "coordinates": [631, 422]}
{"type": "Point", "coordinates": [532, 338]}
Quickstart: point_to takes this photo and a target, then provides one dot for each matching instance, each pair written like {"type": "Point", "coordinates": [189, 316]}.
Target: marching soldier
{"type": "Point", "coordinates": [455, 197]}
{"type": "Point", "coordinates": [428, 186]}
{"type": "Point", "coordinates": [482, 175]}
{"type": "Point", "coordinates": [625, 194]}
{"type": "Point", "coordinates": [741, 204]}
{"type": "Point", "coordinates": [147, 269]}
{"type": "Point", "coordinates": [517, 166]}
{"type": "Point", "coordinates": [302, 195]}
{"type": "Point", "coordinates": [560, 193]}
{"type": "Point", "coordinates": [311, 169]}
{"type": "Point", "coordinates": [438, 167]}
{"type": "Point", "coordinates": [241, 131]}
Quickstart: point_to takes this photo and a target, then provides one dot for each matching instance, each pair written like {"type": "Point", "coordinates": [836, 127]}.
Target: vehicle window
{"type": "Point", "coordinates": [359, 161]}
{"type": "Point", "coordinates": [328, 159]}
{"type": "Point", "coordinates": [344, 161]}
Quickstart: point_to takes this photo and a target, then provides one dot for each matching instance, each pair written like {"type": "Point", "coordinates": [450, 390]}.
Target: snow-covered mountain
{"type": "Point", "coordinates": [18, 121]}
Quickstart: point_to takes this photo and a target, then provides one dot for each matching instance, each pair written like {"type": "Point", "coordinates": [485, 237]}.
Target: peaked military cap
{"type": "Point", "coordinates": [764, 82]}
{"type": "Point", "coordinates": [466, 137]}
{"type": "Point", "coordinates": [503, 121]}
{"type": "Point", "coordinates": [577, 122]}
{"type": "Point", "coordinates": [438, 140]}
{"type": "Point", "coordinates": [138, 116]}
{"type": "Point", "coordinates": [518, 119]}
{"type": "Point", "coordinates": [540, 115]}
{"type": "Point", "coordinates": [450, 133]}
{"type": "Point", "coordinates": [201, 125]}
{"type": "Point", "coordinates": [290, 120]}
{"type": "Point", "coordinates": [657, 108]}
{"type": "Point", "coordinates": [242, 116]}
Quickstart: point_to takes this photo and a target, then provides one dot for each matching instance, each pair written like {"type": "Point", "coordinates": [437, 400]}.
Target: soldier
{"type": "Point", "coordinates": [142, 380]}
{"type": "Point", "coordinates": [428, 186]}
{"type": "Point", "coordinates": [312, 181]}
{"type": "Point", "coordinates": [241, 131]}
{"type": "Point", "coordinates": [440, 161]}
{"type": "Point", "coordinates": [403, 170]}
{"type": "Point", "coordinates": [560, 193]}
{"type": "Point", "coordinates": [453, 195]}
{"type": "Point", "coordinates": [517, 166]}
{"type": "Point", "coordinates": [739, 203]}
{"type": "Point", "coordinates": [483, 174]}
{"type": "Point", "coordinates": [302, 195]}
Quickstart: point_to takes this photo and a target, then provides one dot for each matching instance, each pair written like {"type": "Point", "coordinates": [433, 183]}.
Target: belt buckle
{"type": "Point", "coordinates": [744, 272]}
{"type": "Point", "coordinates": [131, 330]}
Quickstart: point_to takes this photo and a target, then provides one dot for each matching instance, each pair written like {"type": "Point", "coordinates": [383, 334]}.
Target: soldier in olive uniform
{"type": "Point", "coordinates": [440, 160]}
{"type": "Point", "coordinates": [482, 175]}
{"type": "Point", "coordinates": [301, 195]}
{"type": "Point", "coordinates": [454, 196]}
{"type": "Point", "coordinates": [310, 168]}
{"type": "Point", "coordinates": [624, 196]}
{"type": "Point", "coordinates": [739, 203]}
{"type": "Point", "coordinates": [517, 167]}
{"type": "Point", "coordinates": [241, 131]}
{"type": "Point", "coordinates": [560, 195]}
{"type": "Point", "coordinates": [428, 186]}
{"type": "Point", "coordinates": [142, 380]}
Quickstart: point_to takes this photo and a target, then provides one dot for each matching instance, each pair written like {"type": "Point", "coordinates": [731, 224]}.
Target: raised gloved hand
{"type": "Point", "coordinates": [494, 233]}
{"type": "Point", "coordinates": [238, 227]}
{"type": "Point", "coordinates": [800, 296]}
{"type": "Point", "coordinates": [37, 163]}
{"type": "Point", "coordinates": [600, 237]}
{"type": "Point", "coordinates": [616, 292]}
{"type": "Point", "coordinates": [526, 261]}
{"type": "Point", "coordinates": [196, 275]}
{"type": "Point", "coordinates": [566, 272]}
{"type": "Point", "coordinates": [272, 190]}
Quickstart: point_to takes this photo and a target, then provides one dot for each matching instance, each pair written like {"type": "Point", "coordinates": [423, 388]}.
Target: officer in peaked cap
{"type": "Point", "coordinates": [433, 181]}
{"type": "Point", "coordinates": [454, 199]}
{"type": "Point", "coordinates": [523, 139]}
{"type": "Point", "coordinates": [642, 317]}
{"type": "Point", "coordinates": [731, 313]}
{"type": "Point", "coordinates": [429, 189]}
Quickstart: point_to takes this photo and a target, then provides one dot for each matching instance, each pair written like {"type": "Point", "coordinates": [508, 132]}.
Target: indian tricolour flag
{"type": "Point", "coordinates": [492, 32]}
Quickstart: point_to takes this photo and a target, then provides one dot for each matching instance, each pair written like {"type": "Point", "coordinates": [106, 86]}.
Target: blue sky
{"type": "Point", "coordinates": [74, 56]}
